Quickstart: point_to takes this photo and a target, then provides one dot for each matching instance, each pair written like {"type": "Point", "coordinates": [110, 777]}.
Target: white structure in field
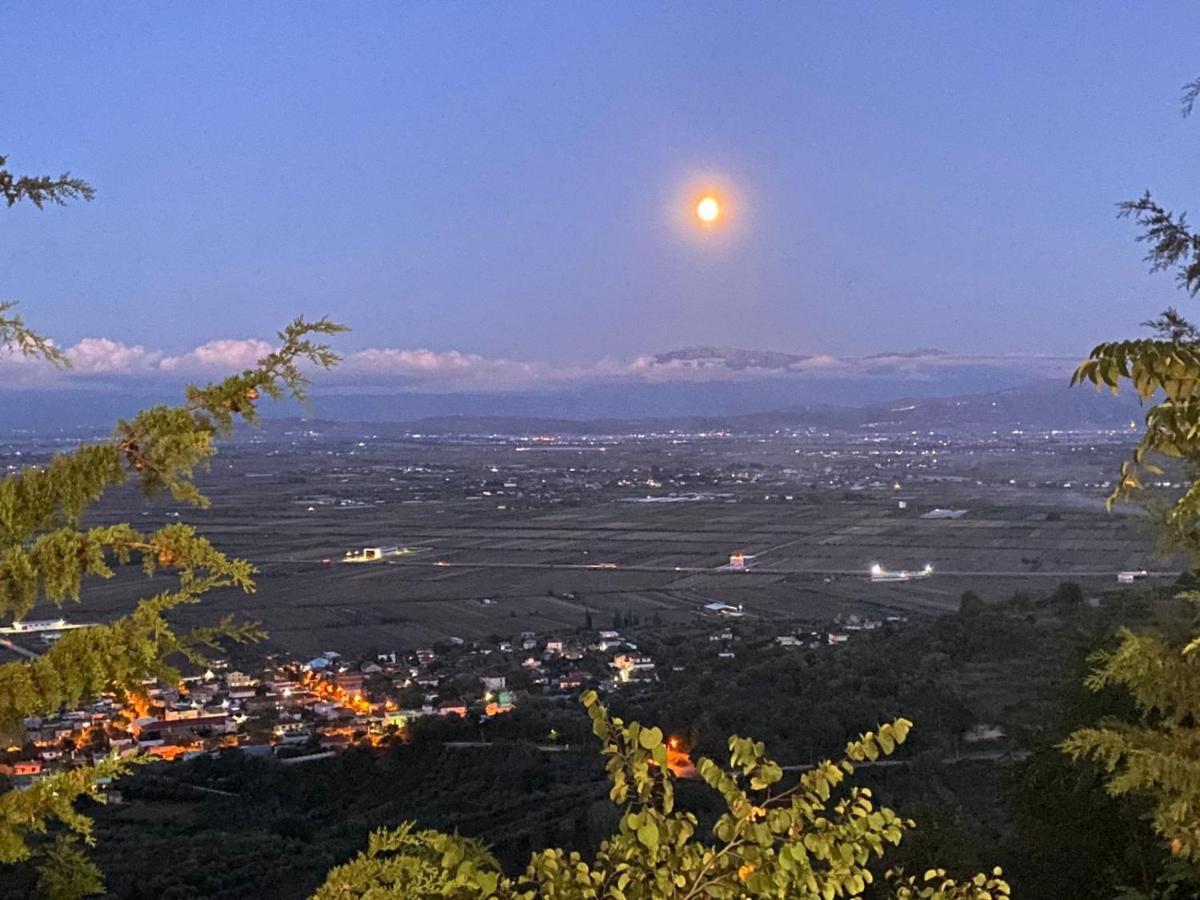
{"type": "Point", "coordinates": [370, 554]}
{"type": "Point", "coordinates": [1131, 577]}
{"type": "Point", "coordinates": [723, 609]}
{"type": "Point", "coordinates": [879, 573]}
{"type": "Point", "coordinates": [737, 560]}
{"type": "Point", "coordinates": [42, 625]}
{"type": "Point", "coordinates": [39, 625]}
{"type": "Point", "coordinates": [939, 513]}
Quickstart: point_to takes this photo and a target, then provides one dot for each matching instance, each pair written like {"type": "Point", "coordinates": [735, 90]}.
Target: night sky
{"type": "Point", "coordinates": [515, 180]}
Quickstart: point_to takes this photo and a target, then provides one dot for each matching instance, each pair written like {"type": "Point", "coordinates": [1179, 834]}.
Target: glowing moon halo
{"type": "Point", "coordinates": [708, 209]}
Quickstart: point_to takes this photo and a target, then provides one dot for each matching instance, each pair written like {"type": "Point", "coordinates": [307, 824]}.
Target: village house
{"type": "Point", "coordinates": [334, 741]}
{"type": "Point", "coordinates": [350, 682]}
{"type": "Point", "coordinates": [492, 683]}
{"type": "Point", "coordinates": [573, 681]}
{"type": "Point", "coordinates": [22, 774]}
{"type": "Point", "coordinates": [452, 708]}
{"type": "Point", "coordinates": [149, 728]}
{"type": "Point", "coordinates": [632, 667]}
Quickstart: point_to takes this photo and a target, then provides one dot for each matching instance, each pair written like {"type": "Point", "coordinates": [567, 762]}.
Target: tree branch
{"type": "Point", "coordinates": [42, 189]}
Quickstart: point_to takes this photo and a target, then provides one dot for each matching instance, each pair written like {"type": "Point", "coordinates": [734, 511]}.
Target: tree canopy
{"type": "Point", "coordinates": [47, 555]}
{"type": "Point", "coordinates": [1158, 754]}
{"type": "Point", "coordinates": [817, 837]}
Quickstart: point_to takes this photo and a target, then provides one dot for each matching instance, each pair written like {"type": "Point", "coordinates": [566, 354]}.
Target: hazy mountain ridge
{"type": "Point", "coordinates": [695, 384]}
{"type": "Point", "coordinates": [919, 353]}
{"type": "Point", "coordinates": [1045, 405]}
{"type": "Point", "coordinates": [731, 358]}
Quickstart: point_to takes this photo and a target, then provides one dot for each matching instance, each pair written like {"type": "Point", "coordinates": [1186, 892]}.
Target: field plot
{"type": "Point", "coordinates": [513, 542]}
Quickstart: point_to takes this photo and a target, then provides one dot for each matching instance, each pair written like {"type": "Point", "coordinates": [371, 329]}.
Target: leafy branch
{"type": "Point", "coordinates": [45, 555]}
{"type": "Point", "coordinates": [16, 336]}
{"type": "Point", "coordinates": [810, 841]}
{"type": "Point", "coordinates": [1173, 243]}
{"type": "Point", "coordinates": [1158, 755]}
{"type": "Point", "coordinates": [42, 189]}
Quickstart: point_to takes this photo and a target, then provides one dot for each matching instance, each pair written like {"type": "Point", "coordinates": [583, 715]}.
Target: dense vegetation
{"type": "Point", "coordinates": [47, 555]}
{"type": "Point", "coordinates": [1154, 754]}
{"type": "Point", "coordinates": [1018, 664]}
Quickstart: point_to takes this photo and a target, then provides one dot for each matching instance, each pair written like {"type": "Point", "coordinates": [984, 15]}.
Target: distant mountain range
{"type": "Point", "coordinates": [717, 386]}
{"type": "Point", "coordinates": [720, 381]}
{"type": "Point", "coordinates": [1044, 405]}
{"type": "Point", "coordinates": [738, 360]}
{"type": "Point", "coordinates": [731, 358]}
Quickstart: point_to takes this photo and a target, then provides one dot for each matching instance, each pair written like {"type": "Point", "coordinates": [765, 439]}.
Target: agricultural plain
{"type": "Point", "coordinates": [499, 534]}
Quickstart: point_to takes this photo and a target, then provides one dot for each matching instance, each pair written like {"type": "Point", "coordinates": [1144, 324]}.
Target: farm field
{"type": "Point", "coordinates": [500, 540]}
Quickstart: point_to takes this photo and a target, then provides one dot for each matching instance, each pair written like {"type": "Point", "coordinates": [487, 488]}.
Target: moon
{"type": "Point", "coordinates": [708, 209]}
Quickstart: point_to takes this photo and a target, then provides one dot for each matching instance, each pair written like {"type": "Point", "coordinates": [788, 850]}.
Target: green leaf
{"type": "Point", "coordinates": [648, 836]}
{"type": "Point", "coordinates": [650, 738]}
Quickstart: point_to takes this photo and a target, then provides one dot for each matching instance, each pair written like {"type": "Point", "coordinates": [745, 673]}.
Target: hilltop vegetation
{"type": "Point", "coordinates": [1017, 665]}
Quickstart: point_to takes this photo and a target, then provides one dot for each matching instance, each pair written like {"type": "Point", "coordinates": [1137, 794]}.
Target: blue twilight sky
{"type": "Point", "coordinates": [510, 179]}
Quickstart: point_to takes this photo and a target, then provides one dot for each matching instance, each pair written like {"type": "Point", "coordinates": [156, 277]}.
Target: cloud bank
{"type": "Point", "coordinates": [100, 360]}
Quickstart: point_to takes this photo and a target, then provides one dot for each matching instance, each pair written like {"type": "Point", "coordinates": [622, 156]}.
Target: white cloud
{"type": "Point", "coordinates": [218, 356]}
{"type": "Point", "coordinates": [433, 371]}
{"type": "Point", "coordinates": [101, 355]}
{"type": "Point", "coordinates": [446, 369]}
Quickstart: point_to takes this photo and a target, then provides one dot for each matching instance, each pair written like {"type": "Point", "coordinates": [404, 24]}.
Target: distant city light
{"type": "Point", "coordinates": [708, 209]}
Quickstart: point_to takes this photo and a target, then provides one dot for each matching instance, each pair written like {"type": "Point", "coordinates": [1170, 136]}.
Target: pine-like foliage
{"type": "Point", "coordinates": [1158, 756]}
{"type": "Point", "coordinates": [814, 840]}
{"type": "Point", "coordinates": [46, 555]}
{"type": "Point", "coordinates": [41, 189]}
